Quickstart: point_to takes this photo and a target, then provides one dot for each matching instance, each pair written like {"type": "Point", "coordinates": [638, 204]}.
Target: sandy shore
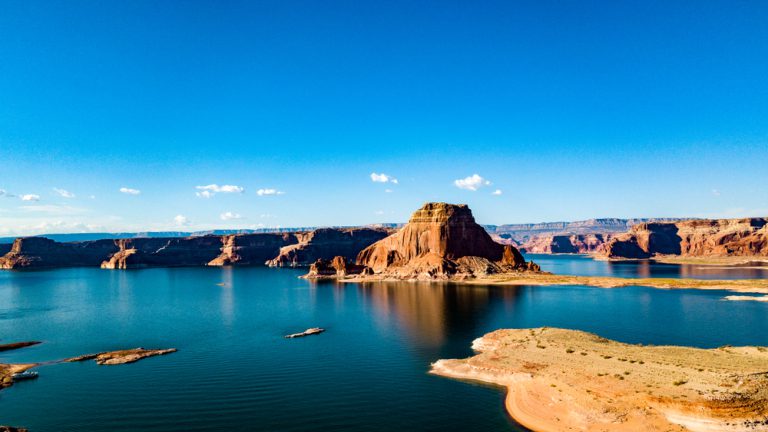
{"type": "Point", "coordinates": [754, 286]}
{"type": "Point", "coordinates": [563, 380]}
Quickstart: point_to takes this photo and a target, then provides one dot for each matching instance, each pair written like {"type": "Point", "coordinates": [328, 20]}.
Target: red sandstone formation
{"type": "Point", "coordinates": [694, 238]}
{"type": "Point", "coordinates": [570, 244]}
{"type": "Point", "coordinates": [40, 252]}
{"type": "Point", "coordinates": [326, 243]}
{"type": "Point", "coordinates": [441, 241]}
{"type": "Point", "coordinates": [335, 268]}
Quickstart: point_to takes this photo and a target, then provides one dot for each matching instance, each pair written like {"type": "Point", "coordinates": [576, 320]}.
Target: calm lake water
{"type": "Point", "coordinates": [235, 372]}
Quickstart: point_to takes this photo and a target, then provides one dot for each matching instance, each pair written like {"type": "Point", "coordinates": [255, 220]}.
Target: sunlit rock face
{"type": "Point", "coordinates": [695, 238]}
{"type": "Point", "coordinates": [441, 241]}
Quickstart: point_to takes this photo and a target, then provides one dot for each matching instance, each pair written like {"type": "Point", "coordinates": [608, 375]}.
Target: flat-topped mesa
{"type": "Point", "coordinates": [693, 238]}
{"type": "Point", "coordinates": [441, 241]}
{"type": "Point", "coordinates": [40, 252]}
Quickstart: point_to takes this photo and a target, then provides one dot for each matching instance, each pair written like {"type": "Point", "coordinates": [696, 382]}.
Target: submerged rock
{"type": "Point", "coordinates": [307, 332]}
{"type": "Point", "coordinates": [122, 356]}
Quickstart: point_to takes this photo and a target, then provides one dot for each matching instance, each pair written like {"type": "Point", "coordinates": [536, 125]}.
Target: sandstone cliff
{"type": "Point", "coordinates": [40, 252]}
{"type": "Point", "coordinates": [326, 243]}
{"type": "Point", "coordinates": [567, 244]}
{"type": "Point", "coordinates": [694, 238]}
{"type": "Point", "coordinates": [252, 249]}
{"type": "Point", "coordinates": [441, 241]}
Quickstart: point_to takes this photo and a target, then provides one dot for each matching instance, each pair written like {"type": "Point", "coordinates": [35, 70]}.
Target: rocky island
{"type": "Point", "coordinates": [440, 241]}
{"type": "Point", "coordinates": [559, 380]}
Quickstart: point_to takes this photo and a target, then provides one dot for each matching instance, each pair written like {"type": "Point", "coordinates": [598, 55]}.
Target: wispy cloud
{"type": "Point", "coordinates": [30, 197]}
{"type": "Point", "coordinates": [64, 193]}
{"type": "Point", "coordinates": [496, 192]}
{"type": "Point", "coordinates": [53, 209]}
{"type": "Point", "coordinates": [472, 183]}
{"type": "Point", "coordinates": [210, 190]}
{"type": "Point", "coordinates": [268, 191]}
{"type": "Point", "coordinates": [715, 192]}
{"type": "Point", "coordinates": [388, 190]}
{"type": "Point", "coordinates": [4, 193]}
{"type": "Point", "coordinates": [382, 178]}
{"type": "Point", "coordinates": [129, 191]}
{"type": "Point", "coordinates": [230, 216]}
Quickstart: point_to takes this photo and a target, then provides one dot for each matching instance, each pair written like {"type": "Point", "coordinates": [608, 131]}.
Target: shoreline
{"type": "Point", "coordinates": [559, 379]}
{"type": "Point", "coordinates": [752, 286]}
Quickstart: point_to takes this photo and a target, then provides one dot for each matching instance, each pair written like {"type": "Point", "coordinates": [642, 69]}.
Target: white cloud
{"type": "Point", "coordinates": [64, 193]}
{"type": "Point", "coordinates": [472, 183]}
{"type": "Point", "coordinates": [268, 191]}
{"type": "Point", "coordinates": [30, 197]}
{"type": "Point", "coordinates": [129, 191]}
{"type": "Point", "coordinates": [210, 190]}
{"type": "Point", "coordinates": [379, 212]}
{"type": "Point", "coordinates": [715, 192]}
{"type": "Point", "coordinates": [383, 178]}
{"type": "Point", "coordinates": [181, 220]}
{"type": "Point", "coordinates": [5, 193]}
{"type": "Point", "coordinates": [496, 192]}
{"type": "Point", "coordinates": [388, 190]}
{"type": "Point", "coordinates": [230, 216]}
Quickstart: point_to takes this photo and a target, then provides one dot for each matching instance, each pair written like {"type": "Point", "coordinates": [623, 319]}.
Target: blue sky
{"type": "Point", "coordinates": [571, 110]}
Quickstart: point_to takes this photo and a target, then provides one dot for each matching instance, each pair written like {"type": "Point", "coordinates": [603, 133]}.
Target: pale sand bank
{"type": "Point", "coordinates": [564, 380]}
{"type": "Point", "coordinates": [754, 286]}
{"type": "Point", "coordinates": [746, 298]}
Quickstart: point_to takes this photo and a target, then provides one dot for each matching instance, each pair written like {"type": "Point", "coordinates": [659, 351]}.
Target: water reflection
{"type": "Point", "coordinates": [431, 314]}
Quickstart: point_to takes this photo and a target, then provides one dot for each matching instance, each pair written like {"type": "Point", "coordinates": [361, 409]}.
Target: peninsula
{"type": "Point", "coordinates": [560, 380]}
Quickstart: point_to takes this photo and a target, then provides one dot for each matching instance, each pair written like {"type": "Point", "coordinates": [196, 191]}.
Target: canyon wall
{"type": "Point", "coordinates": [566, 244]}
{"type": "Point", "coordinates": [214, 250]}
{"type": "Point", "coordinates": [696, 238]}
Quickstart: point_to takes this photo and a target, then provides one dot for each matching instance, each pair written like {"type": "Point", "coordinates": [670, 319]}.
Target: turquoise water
{"type": "Point", "coordinates": [235, 372]}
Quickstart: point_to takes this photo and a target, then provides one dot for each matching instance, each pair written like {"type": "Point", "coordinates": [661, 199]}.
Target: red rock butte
{"type": "Point", "coordinates": [441, 241]}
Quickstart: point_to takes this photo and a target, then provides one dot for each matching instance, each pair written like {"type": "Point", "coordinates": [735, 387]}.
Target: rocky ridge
{"type": "Point", "coordinates": [746, 237]}
{"type": "Point", "coordinates": [213, 250]}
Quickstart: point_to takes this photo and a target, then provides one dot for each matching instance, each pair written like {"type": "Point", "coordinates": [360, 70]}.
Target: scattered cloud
{"type": "Point", "coordinates": [379, 212]}
{"type": "Point", "coordinates": [263, 192]}
{"type": "Point", "coordinates": [64, 193]}
{"type": "Point", "coordinates": [383, 178]}
{"type": "Point", "coordinates": [212, 189]}
{"type": "Point", "coordinates": [30, 197]}
{"type": "Point", "coordinates": [6, 194]}
{"type": "Point", "coordinates": [129, 191]}
{"type": "Point", "coordinates": [181, 220]}
{"type": "Point", "coordinates": [267, 216]}
{"type": "Point", "coordinates": [715, 192]}
{"type": "Point", "coordinates": [388, 190]}
{"type": "Point", "coordinates": [472, 183]}
{"type": "Point", "coordinates": [496, 192]}
{"type": "Point", "coordinates": [230, 216]}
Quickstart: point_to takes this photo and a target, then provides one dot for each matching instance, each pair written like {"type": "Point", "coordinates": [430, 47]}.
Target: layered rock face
{"type": "Point", "coordinates": [39, 252]}
{"type": "Point", "coordinates": [292, 249]}
{"type": "Point", "coordinates": [335, 268]}
{"type": "Point", "coordinates": [326, 243]}
{"type": "Point", "coordinates": [567, 244]}
{"type": "Point", "coordinates": [252, 249]}
{"type": "Point", "coordinates": [695, 238]}
{"type": "Point", "coordinates": [441, 241]}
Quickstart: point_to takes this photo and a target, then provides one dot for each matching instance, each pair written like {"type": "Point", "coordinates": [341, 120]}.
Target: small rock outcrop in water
{"type": "Point", "coordinates": [13, 429]}
{"type": "Point", "coordinates": [335, 268]}
{"type": "Point", "coordinates": [693, 238]}
{"type": "Point", "coordinates": [441, 241]}
{"type": "Point", "coordinates": [17, 345]}
{"type": "Point", "coordinates": [307, 332]}
{"type": "Point", "coordinates": [326, 243]}
{"type": "Point", "coordinates": [121, 356]}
